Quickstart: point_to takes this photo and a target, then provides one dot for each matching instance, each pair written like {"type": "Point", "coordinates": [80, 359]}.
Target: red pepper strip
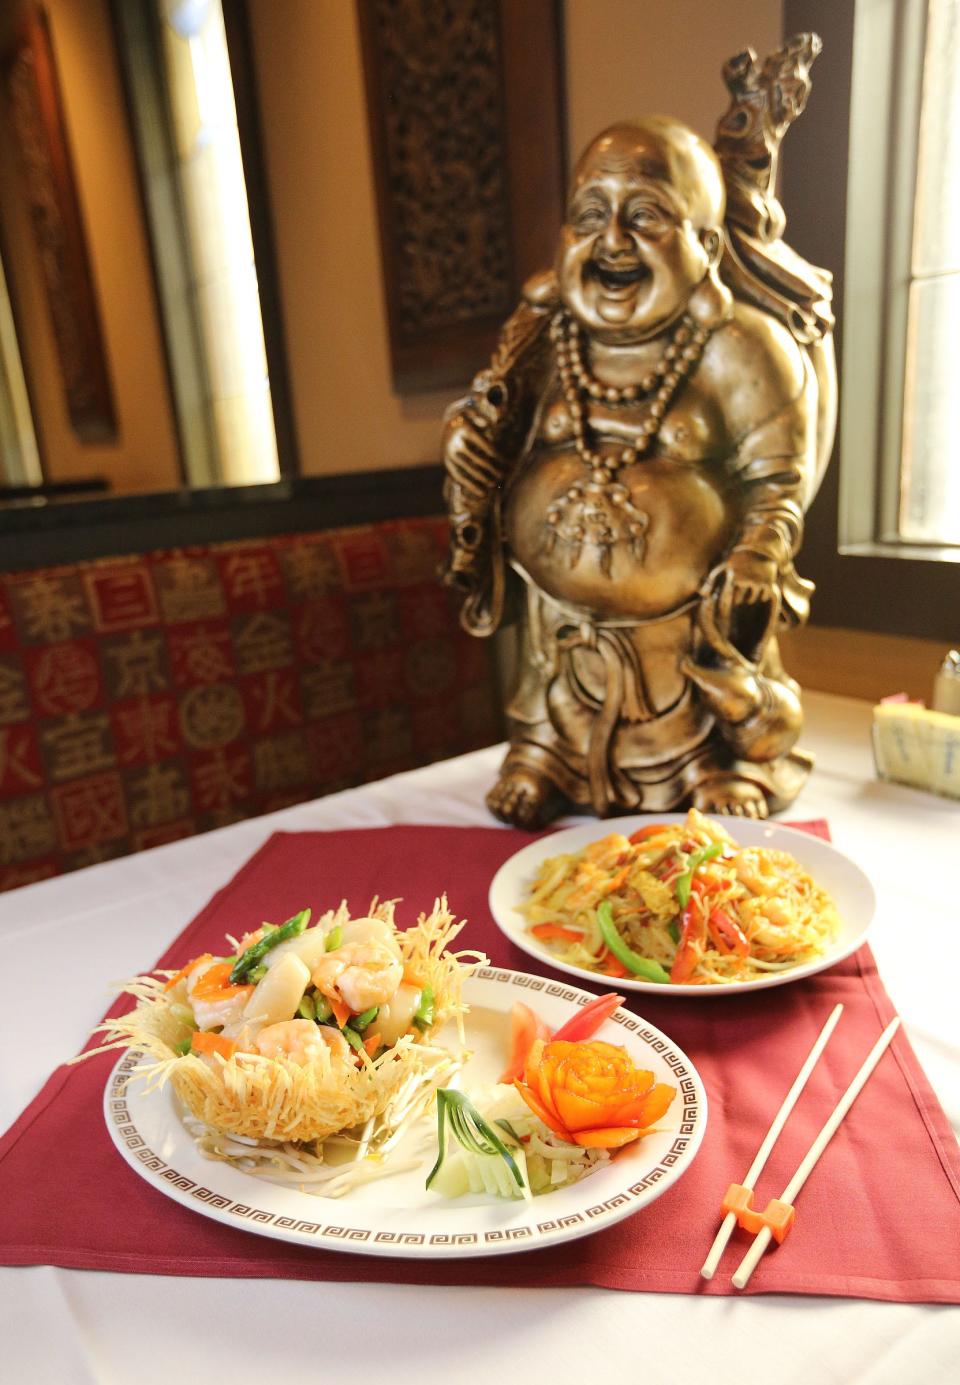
{"type": "Point", "coordinates": [555, 932]}
{"type": "Point", "coordinates": [611, 966]}
{"type": "Point", "coordinates": [688, 954]}
{"type": "Point", "coordinates": [727, 935]}
{"type": "Point", "coordinates": [654, 830]}
{"type": "Point", "coordinates": [525, 1028]}
{"type": "Point", "coordinates": [588, 1020]}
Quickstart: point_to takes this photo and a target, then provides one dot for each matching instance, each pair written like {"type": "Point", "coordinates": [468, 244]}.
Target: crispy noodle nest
{"type": "Point", "coordinates": [275, 1098]}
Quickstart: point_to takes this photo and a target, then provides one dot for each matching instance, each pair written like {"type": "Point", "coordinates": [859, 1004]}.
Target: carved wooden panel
{"type": "Point", "coordinates": [467, 135]}
{"type": "Point", "coordinates": [36, 117]}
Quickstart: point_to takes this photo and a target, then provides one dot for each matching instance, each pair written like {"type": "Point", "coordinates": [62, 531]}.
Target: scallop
{"type": "Point", "coordinates": [278, 994]}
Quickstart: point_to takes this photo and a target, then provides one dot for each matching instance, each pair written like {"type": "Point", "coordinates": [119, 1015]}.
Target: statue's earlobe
{"type": "Point", "coordinates": [712, 242]}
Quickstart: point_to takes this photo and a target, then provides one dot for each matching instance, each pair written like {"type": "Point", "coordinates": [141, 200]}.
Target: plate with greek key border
{"type": "Point", "coordinates": [847, 885]}
{"type": "Point", "coordinates": [396, 1215]}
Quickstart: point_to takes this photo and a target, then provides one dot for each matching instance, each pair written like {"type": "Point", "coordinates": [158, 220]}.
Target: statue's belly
{"type": "Point", "coordinates": [639, 554]}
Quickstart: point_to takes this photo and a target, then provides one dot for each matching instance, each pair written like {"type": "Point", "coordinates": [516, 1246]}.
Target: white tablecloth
{"type": "Point", "coordinates": [63, 942]}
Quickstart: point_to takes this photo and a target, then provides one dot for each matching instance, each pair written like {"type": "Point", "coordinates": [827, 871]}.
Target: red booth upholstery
{"type": "Point", "coordinates": [146, 698]}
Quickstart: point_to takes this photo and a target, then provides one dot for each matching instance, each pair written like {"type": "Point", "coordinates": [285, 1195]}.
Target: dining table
{"type": "Point", "coordinates": [65, 942]}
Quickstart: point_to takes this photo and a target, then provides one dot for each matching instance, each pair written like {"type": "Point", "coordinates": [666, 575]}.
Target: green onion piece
{"type": "Point", "coordinates": [305, 1009]}
{"type": "Point", "coordinates": [322, 1008]}
{"type": "Point", "coordinates": [334, 938]}
{"type": "Point", "coordinates": [685, 881]}
{"type": "Point", "coordinates": [640, 966]}
{"type": "Point", "coordinates": [424, 1014]}
{"type": "Point", "coordinates": [508, 1129]}
{"type": "Point", "coordinates": [183, 1047]}
{"type": "Point", "coordinates": [360, 1022]}
{"type": "Point", "coordinates": [352, 1038]}
{"type": "Point", "coordinates": [470, 1130]}
{"type": "Point", "coordinates": [246, 962]}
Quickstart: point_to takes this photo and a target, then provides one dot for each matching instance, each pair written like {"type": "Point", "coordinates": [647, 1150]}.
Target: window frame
{"type": "Point", "coordinates": [242, 70]}
{"type": "Point", "coordinates": [862, 584]}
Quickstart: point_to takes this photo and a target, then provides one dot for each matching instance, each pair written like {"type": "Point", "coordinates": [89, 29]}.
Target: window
{"type": "Point", "coordinates": [929, 499]}
{"type": "Point", "coordinates": [185, 128]}
{"type": "Point", "coordinates": [19, 459]}
{"type": "Point", "coordinates": [900, 478]}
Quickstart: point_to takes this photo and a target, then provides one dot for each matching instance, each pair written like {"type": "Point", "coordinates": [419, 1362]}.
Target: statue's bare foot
{"type": "Point", "coordinates": [731, 796]}
{"type": "Point", "coordinates": [524, 798]}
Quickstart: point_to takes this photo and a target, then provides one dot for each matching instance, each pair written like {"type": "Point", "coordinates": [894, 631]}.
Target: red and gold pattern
{"type": "Point", "coordinates": [143, 699]}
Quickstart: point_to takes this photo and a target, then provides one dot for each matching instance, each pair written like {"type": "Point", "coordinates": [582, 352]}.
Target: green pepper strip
{"type": "Point", "coordinates": [424, 1013]}
{"type": "Point", "coordinates": [640, 966]}
{"type": "Point", "coordinates": [470, 1130]}
{"type": "Point", "coordinates": [352, 1038]}
{"type": "Point", "coordinates": [246, 962]}
{"type": "Point", "coordinates": [685, 881]}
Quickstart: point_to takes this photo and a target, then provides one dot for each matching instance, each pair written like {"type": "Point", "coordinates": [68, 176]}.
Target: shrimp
{"type": "Point", "coordinates": [300, 1041]}
{"type": "Point", "coordinates": [359, 974]}
{"type": "Point", "coordinates": [213, 1010]}
{"type": "Point", "coordinates": [370, 930]}
{"type": "Point", "coordinates": [755, 872]}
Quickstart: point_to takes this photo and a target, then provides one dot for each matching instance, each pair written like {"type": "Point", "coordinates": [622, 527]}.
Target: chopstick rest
{"type": "Point", "coordinates": [778, 1217]}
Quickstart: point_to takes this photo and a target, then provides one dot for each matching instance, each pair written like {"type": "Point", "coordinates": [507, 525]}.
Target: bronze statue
{"type": "Point", "coordinates": [629, 476]}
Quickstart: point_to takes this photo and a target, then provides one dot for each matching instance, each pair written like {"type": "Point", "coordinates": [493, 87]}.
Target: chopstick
{"type": "Point", "coordinates": [769, 1140]}
{"type": "Point", "coordinates": [749, 1262]}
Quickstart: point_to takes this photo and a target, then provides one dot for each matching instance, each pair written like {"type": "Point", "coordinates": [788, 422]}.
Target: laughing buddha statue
{"type": "Point", "coordinates": [628, 479]}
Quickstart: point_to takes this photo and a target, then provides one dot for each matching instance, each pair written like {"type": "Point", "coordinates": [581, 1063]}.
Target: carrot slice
{"type": "Point", "coordinates": [201, 1042]}
{"type": "Point", "coordinates": [341, 1010]}
{"type": "Point", "coordinates": [371, 1044]}
{"type": "Point", "coordinates": [185, 971]}
{"type": "Point", "coordinates": [214, 984]}
{"type": "Point", "coordinates": [607, 1138]}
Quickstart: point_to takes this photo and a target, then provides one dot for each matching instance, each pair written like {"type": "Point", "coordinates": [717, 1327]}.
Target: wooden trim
{"type": "Point", "coordinates": [236, 21]}
{"type": "Point", "coordinates": [858, 663]}
{"type": "Point", "coordinates": [41, 536]}
{"type": "Point", "coordinates": [35, 113]}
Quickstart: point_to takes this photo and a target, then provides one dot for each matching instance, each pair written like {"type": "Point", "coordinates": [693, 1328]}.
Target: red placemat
{"type": "Point", "coordinates": [879, 1218]}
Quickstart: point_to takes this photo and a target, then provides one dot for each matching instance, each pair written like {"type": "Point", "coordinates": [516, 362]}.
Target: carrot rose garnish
{"type": "Point", "coordinates": [591, 1094]}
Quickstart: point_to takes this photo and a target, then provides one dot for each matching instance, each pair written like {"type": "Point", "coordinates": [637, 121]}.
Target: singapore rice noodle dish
{"type": "Point", "coordinates": [680, 903]}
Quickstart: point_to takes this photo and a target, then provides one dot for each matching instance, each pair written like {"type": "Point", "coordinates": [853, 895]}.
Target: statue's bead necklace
{"type": "Point", "coordinates": [653, 393]}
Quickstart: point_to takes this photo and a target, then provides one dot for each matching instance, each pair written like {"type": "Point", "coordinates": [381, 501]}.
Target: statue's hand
{"type": "Point", "coordinates": [469, 452]}
{"type": "Point", "coordinates": [743, 579]}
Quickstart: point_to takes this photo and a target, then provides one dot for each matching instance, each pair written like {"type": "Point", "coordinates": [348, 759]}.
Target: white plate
{"type": "Point", "coordinates": [396, 1215]}
{"type": "Point", "coordinates": [850, 889]}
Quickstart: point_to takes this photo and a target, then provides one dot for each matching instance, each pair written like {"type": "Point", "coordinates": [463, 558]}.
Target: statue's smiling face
{"type": "Point", "coordinates": [634, 245]}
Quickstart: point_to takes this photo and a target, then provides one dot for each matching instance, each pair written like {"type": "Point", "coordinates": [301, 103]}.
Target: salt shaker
{"type": "Point", "coordinates": [946, 685]}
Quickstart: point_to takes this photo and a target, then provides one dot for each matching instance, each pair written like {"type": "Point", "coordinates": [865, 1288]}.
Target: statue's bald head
{"type": "Point", "coordinates": [666, 152]}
